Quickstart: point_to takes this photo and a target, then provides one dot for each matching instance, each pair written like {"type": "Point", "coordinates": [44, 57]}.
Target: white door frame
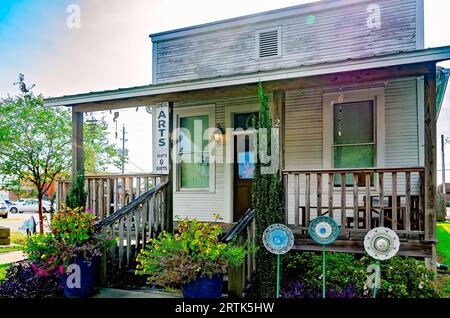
{"type": "Point", "coordinates": [229, 156]}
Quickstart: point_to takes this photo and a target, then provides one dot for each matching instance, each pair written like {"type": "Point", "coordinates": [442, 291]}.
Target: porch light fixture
{"type": "Point", "coordinates": [218, 133]}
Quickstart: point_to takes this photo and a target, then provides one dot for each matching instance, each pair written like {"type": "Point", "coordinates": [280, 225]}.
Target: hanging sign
{"type": "Point", "coordinates": [161, 138]}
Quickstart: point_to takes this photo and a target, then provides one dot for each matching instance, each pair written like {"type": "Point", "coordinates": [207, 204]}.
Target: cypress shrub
{"type": "Point", "coordinates": [267, 197]}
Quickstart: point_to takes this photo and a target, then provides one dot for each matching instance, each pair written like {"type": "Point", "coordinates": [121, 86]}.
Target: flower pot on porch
{"type": "Point", "coordinates": [80, 283]}
{"type": "Point", "coordinates": [204, 287]}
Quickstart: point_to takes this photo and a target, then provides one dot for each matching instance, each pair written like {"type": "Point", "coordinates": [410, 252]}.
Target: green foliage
{"type": "Point", "coordinates": [73, 235]}
{"type": "Point", "coordinates": [401, 277]}
{"type": "Point", "coordinates": [194, 252]}
{"type": "Point", "coordinates": [342, 270]}
{"type": "Point", "coordinates": [98, 152]}
{"type": "Point", "coordinates": [77, 195]}
{"type": "Point", "coordinates": [441, 207]}
{"type": "Point", "coordinates": [267, 197]}
{"type": "Point", "coordinates": [35, 141]}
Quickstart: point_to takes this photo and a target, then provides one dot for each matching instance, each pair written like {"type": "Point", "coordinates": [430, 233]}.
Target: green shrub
{"type": "Point", "coordinates": [77, 195]}
{"type": "Point", "coordinates": [401, 277]}
{"type": "Point", "coordinates": [171, 260]}
{"type": "Point", "coordinates": [441, 207]}
{"type": "Point", "coordinates": [342, 271]}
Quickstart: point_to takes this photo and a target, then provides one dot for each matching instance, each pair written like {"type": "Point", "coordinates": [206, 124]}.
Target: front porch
{"type": "Point", "coordinates": [396, 201]}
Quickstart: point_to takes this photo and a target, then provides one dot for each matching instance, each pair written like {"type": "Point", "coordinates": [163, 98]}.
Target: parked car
{"type": "Point", "coordinates": [29, 205]}
{"type": "Point", "coordinates": [9, 202]}
{"type": "Point", "coordinates": [3, 209]}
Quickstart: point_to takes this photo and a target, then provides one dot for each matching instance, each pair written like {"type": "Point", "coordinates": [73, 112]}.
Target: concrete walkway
{"type": "Point", "coordinates": [11, 257]}
{"type": "Point", "coordinates": [145, 293]}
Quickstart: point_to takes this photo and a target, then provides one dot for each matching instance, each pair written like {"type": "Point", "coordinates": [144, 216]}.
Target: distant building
{"type": "Point", "coordinates": [447, 187]}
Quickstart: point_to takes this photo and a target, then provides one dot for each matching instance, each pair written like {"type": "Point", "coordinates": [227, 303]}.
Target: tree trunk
{"type": "Point", "coordinates": [41, 215]}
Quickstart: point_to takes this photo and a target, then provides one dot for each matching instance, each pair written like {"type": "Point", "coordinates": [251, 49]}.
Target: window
{"type": "Point", "coordinates": [353, 136]}
{"type": "Point", "coordinates": [268, 42]}
{"type": "Point", "coordinates": [195, 166]}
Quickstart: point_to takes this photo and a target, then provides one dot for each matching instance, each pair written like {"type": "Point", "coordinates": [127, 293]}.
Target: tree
{"type": "Point", "coordinates": [77, 195]}
{"type": "Point", "coordinates": [35, 142]}
{"type": "Point", "coordinates": [267, 197]}
{"type": "Point", "coordinates": [98, 152]}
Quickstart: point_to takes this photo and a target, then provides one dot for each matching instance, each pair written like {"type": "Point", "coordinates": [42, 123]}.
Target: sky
{"type": "Point", "coordinates": [111, 49]}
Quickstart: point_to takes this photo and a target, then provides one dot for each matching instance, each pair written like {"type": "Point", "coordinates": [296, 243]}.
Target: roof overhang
{"type": "Point", "coordinates": [415, 57]}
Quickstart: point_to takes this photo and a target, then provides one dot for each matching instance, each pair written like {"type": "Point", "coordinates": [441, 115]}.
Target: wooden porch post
{"type": "Point", "coordinates": [430, 162]}
{"type": "Point", "coordinates": [171, 179]}
{"type": "Point", "coordinates": [278, 122]}
{"type": "Point", "coordinates": [77, 142]}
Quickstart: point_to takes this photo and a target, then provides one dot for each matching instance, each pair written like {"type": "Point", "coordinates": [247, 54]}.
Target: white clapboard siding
{"type": "Point", "coordinates": [324, 36]}
{"type": "Point", "coordinates": [202, 206]}
{"type": "Point", "coordinates": [304, 139]}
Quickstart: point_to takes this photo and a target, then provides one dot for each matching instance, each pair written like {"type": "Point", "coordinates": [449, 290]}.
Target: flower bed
{"type": "Point", "coordinates": [401, 277]}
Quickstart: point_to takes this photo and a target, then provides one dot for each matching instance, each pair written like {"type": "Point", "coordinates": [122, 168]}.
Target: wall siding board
{"type": "Point", "coordinates": [334, 35]}
{"type": "Point", "coordinates": [304, 138]}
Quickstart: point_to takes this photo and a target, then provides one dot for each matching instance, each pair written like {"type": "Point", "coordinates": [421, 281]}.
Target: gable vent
{"type": "Point", "coordinates": [268, 43]}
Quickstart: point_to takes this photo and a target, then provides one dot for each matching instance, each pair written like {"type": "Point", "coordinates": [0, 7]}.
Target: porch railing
{"type": "Point", "coordinates": [111, 192]}
{"type": "Point", "coordinates": [358, 199]}
{"type": "Point", "coordinates": [133, 225]}
{"type": "Point", "coordinates": [244, 233]}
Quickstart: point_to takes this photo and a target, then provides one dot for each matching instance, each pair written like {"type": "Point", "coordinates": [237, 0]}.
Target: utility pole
{"type": "Point", "coordinates": [123, 149]}
{"type": "Point", "coordinates": [444, 190]}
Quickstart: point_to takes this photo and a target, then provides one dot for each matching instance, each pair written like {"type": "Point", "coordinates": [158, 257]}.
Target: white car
{"type": "Point", "coordinates": [29, 205]}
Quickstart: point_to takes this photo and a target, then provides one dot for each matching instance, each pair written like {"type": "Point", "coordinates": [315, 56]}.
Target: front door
{"type": "Point", "coordinates": [243, 162]}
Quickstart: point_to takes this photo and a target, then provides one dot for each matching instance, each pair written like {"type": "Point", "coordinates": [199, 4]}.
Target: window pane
{"type": "Point", "coordinates": [354, 156]}
{"type": "Point", "coordinates": [194, 166]}
{"type": "Point", "coordinates": [353, 123]}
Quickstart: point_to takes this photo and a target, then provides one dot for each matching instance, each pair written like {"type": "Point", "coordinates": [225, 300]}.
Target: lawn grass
{"type": "Point", "coordinates": [443, 247]}
{"type": "Point", "coordinates": [3, 269]}
{"type": "Point", "coordinates": [7, 249]}
{"type": "Point", "coordinates": [16, 237]}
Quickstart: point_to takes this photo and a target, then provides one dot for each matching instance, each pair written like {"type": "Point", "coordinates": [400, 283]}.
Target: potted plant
{"type": "Point", "coordinates": [193, 259]}
{"type": "Point", "coordinates": [70, 250]}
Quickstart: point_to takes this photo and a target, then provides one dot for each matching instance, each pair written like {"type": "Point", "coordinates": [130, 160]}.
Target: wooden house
{"type": "Point", "coordinates": [354, 95]}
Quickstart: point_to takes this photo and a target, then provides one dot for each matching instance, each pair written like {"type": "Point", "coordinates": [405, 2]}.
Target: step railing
{"type": "Point", "coordinates": [132, 226]}
{"type": "Point", "coordinates": [243, 233]}
{"type": "Point", "coordinates": [108, 193]}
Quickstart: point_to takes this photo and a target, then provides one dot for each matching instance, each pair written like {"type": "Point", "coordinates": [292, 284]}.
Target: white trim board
{"type": "Point", "coordinates": [229, 148]}
{"type": "Point", "coordinates": [210, 111]}
{"type": "Point", "coordinates": [329, 99]}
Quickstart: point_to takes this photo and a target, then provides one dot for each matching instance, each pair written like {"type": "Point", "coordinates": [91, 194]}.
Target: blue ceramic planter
{"type": "Point", "coordinates": [204, 287]}
{"type": "Point", "coordinates": [82, 284]}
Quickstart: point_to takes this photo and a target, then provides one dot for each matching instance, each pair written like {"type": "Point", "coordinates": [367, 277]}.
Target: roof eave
{"type": "Point", "coordinates": [412, 57]}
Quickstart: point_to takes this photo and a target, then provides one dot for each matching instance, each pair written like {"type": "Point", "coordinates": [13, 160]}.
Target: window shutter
{"type": "Point", "coordinates": [268, 43]}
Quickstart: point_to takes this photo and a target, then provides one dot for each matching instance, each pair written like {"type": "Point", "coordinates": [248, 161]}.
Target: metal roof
{"type": "Point", "coordinates": [353, 64]}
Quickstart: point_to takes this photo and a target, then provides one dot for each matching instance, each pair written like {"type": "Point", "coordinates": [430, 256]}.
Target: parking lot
{"type": "Point", "coordinates": [14, 221]}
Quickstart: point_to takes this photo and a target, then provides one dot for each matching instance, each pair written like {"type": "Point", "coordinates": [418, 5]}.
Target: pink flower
{"type": "Point", "coordinates": [51, 259]}
{"type": "Point", "coordinates": [61, 269]}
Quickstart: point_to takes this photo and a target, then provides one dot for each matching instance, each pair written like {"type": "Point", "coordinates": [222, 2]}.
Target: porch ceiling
{"type": "Point", "coordinates": [372, 68]}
